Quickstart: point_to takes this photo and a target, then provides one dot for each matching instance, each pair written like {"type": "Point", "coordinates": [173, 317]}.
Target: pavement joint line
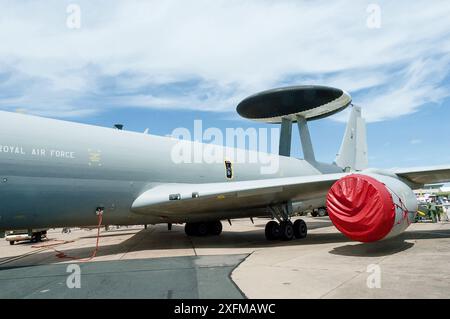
{"type": "Point", "coordinates": [340, 285]}
{"type": "Point", "coordinates": [230, 275]}
{"type": "Point", "coordinates": [292, 258]}
{"type": "Point", "coordinates": [354, 277]}
{"type": "Point", "coordinates": [119, 272]}
{"type": "Point", "coordinates": [152, 230]}
{"type": "Point", "coordinates": [39, 289]}
{"type": "Point", "coordinates": [290, 267]}
{"type": "Point", "coordinates": [427, 251]}
{"type": "Point", "coordinates": [187, 268]}
{"type": "Point", "coordinates": [193, 246]}
{"type": "Point", "coordinates": [15, 258]}
{"type": "Point", "coordinates": [73, 242]}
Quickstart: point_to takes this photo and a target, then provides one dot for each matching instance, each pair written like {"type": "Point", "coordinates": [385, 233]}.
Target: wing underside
{"type": "Point", "coordinates": [181, 199]}
{"type": "Point", "coordinates": [174, 201]}
{"type": "Point", "coordinates": [425, 175]}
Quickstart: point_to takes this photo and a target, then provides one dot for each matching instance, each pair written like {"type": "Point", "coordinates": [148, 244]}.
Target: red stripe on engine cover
{"type": "Point", "coordinates": [361, 208]}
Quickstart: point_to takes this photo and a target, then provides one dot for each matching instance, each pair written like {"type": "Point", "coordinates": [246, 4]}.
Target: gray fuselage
{"type": "Point", "coordinates": [55, 173]}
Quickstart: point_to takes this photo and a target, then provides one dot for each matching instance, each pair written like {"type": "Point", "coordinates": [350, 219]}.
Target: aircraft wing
{"type": "Point", "coordinates": [180, 199]}
{"type": "Point", "coordinates": [425, 175]}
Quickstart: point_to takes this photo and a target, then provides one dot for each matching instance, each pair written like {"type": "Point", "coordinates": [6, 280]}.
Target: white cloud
{"type": "Point", "coordinates": [126, 50]}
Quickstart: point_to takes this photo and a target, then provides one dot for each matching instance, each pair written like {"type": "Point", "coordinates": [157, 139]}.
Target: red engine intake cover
{"type": "Point", "coordinates": [361, 208]}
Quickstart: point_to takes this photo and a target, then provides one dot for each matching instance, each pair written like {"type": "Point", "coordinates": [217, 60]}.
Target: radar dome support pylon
{"type": "Point", "coordinates": [305, 138]}
{"type": "Point", "coordinates": [285, 137]}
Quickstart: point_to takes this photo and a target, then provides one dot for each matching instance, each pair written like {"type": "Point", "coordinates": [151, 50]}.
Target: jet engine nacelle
{"type": "Point", "coordinates": [371, 207]}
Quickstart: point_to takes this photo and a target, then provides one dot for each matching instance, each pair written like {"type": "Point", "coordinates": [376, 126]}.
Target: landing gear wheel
{"type": "Point", "coordinates": [272, 230]}
{"type": "Point", "coordinates": [322, 212]}
{"type": "Point", "coordinates": [300, 229]}
{"type": "Point", "coordinates": [35, 238]}
{"type": "Point", "coordinates": [189, 229]}
{"type": "Point", "coordinates": [287, 230]}
{"type": "Point", "coordinates": [215, 228]}
{"type": "Point", "coordinates": [202, 229]}
{"type": "Point", "coordinates": [11, 242]}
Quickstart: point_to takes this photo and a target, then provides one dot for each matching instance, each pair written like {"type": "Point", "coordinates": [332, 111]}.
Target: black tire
{"type": "Point", "coordinates": [11, 242]}
{"type": "Point", "coordinates": [314, 213]}
{"type": "Point", "coordinates": [322, 212]}
{"type": "Point", "coordinates": [189, 229]}
{"type": "Point", "coordinates": [300, 229]}
{"type": "Point", "coordinates": [272, 230]}
{"type": "Point", "coordinates": [201, 229]}
{"type": "Point", "coordinates": [215, 228]}
{"type": "Point", "coordinates": [286, 231]}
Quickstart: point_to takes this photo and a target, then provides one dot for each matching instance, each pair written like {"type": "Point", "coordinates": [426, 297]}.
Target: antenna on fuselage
{"type": "Point", "coordinates": [294, 104]}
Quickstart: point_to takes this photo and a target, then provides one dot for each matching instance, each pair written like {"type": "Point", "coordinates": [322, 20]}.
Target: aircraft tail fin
{"type": "Point", "coordinates": [352, 155]}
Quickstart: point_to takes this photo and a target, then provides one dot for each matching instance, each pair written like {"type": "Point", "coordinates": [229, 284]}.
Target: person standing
{"type": "Point", "coordinates": [446, 209]}
{"type": "Point", "coordinates": [432, 210]}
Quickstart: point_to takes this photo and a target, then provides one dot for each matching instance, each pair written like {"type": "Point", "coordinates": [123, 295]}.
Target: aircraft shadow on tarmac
{"type": "Point", "coordinates": [159, 238]}
{"type": "Point", "coordinates": [390, 246]}
{"type": "Point", "coordinates": [378, 249]}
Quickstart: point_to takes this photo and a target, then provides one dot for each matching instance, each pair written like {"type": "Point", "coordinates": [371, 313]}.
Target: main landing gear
{"type": "Point", "coordinates": [202, 229]}
{"type": "Point", "coordinates": [285, 229]}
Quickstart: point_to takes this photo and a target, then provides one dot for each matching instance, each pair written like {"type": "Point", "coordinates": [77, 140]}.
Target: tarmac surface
{"type": "Point", "coordinates": [157, 263]}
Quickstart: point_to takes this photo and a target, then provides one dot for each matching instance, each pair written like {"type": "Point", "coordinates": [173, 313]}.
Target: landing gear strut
{"type": "Point", "coordinates": [285, 229]}
{"type": "Point", "coordinates": [202, 229]}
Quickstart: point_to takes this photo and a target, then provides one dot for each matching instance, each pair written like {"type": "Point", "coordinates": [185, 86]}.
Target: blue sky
{"type": "Point", "coordinates": [161, 65]}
